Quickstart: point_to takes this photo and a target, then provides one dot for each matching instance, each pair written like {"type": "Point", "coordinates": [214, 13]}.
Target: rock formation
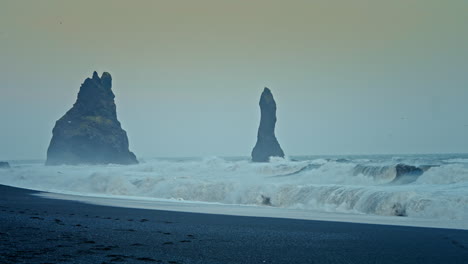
{"type": "Point", "coordinates": [4, 165]}
{"type": "Point", "coordinates": [89, 133]}
{"type": "Point", "coordinates": [267, 145]}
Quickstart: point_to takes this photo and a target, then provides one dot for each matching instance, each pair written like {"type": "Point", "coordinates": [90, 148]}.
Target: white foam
{"type": "Point", "coordinates": [256, 211]}
{"type": "Point", "coordinates": [440, 194]}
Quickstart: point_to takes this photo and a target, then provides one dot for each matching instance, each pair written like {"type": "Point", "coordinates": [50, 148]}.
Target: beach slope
{"type": "Point", "coordinates": [39, 230]}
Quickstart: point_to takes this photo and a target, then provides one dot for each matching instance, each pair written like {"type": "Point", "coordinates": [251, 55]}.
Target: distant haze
{"type": "Point", "coordinates": [349, 77]}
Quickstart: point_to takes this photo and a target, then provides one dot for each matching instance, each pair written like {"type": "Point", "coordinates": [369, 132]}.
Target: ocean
{"type": "Point", "coordinates": [422, 187]}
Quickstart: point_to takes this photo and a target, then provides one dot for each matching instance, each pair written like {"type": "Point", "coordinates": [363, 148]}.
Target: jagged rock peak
{"type": "Point", "coordinates": [267, 145]}
{"type": "Point", "coordinates": [95, 76]}
{"type": "Point", "coordinates": [89, 133]}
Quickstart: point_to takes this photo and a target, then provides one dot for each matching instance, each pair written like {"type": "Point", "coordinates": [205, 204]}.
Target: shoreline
{"type": "Point", "coordinates": [34, 229]}
{"type": "Point", "coordinates": [253, 211]}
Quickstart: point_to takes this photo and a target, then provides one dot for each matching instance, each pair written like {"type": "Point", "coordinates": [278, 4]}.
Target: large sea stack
{"type": "Point", "coordinates": [267, 145]}
{"type": "Point", "coordinates": [89, 133]}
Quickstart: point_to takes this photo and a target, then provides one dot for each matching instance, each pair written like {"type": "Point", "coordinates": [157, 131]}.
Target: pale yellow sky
{"type": "Point", "coordinates": [349, 76]}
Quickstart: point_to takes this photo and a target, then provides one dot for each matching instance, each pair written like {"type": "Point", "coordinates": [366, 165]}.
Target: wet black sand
{"type": "Point", "coordinates": [40, 230]}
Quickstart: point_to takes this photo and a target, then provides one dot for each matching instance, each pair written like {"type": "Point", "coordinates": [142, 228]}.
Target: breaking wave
{"type": "Point", "coordinates": [422, 187]}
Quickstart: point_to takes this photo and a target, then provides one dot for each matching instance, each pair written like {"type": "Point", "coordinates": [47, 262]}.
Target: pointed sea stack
{"type": "Point", "coordinates": [89, 133]}
{"type": "Point", "coordinates": [267, 145]}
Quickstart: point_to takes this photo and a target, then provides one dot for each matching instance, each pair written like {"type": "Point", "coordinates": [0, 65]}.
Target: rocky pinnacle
{"type": "Point", "coordinates": [89, 133]}
{"type": "Point", "coordinates": [267, 145]}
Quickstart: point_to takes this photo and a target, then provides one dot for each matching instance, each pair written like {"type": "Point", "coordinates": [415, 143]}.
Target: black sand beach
{"type": "Point", "coordinates": [40, 230]}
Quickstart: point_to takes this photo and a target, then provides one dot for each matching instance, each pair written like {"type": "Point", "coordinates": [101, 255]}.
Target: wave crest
{"type": "Point", "coordinates": [334, 185]}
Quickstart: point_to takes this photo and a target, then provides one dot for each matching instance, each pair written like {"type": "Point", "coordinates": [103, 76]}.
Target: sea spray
{"type": "Point", "coordinates": [363, 185]}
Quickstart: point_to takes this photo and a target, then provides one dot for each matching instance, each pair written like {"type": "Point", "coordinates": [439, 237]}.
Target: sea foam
{"type": "Point", "coordinates": [351, 185]}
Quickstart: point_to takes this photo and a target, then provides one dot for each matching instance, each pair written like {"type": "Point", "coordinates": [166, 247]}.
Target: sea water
{"type": "Point", "coordinates": [431, 187]}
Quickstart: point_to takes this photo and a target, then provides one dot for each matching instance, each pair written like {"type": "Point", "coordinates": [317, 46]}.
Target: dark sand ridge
{"type": "Point", "coordinates": [40, 230]}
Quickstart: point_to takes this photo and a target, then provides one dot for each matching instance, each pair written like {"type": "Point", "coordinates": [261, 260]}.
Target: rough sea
{"type": "Point", "coordinates": [405, 186]}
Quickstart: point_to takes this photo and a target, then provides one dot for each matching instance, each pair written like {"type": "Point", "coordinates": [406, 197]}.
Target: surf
{"type": "Point", "coordinates": [420, 187]}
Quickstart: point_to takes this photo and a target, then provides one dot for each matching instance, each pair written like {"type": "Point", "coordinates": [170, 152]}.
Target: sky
{"type": "Point", "coordinates": [349, 77]}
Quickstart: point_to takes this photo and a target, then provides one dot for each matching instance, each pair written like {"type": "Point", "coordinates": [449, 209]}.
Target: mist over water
{"type": "Point", "coordinates": [373, 185]}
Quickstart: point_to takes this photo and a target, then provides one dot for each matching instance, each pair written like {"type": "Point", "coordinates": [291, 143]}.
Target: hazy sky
{"type": "Point", "coordinates": [349, 77]}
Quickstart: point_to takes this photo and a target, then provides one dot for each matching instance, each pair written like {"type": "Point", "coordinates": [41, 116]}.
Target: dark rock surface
{"type": "Point", "coordinates": [267, 145]}
{"type": "Point", "coordinates": [89, 133]}
{"type": "Point", "coordinates": [4, 165]}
